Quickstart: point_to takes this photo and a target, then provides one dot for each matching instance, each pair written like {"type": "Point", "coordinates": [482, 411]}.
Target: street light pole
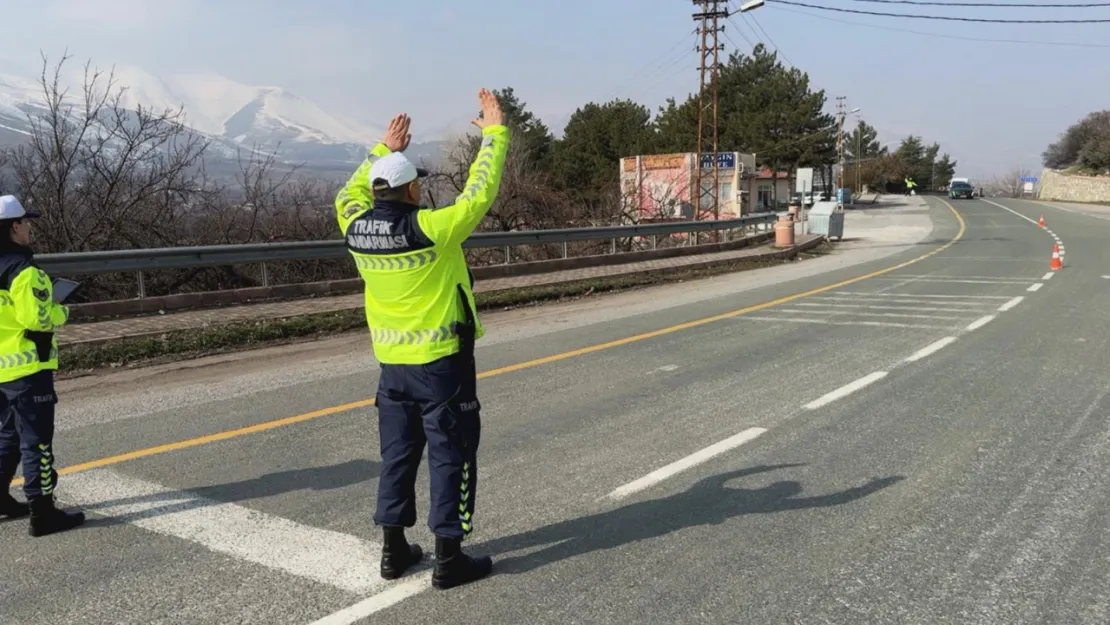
{"type": "Point", "coordinates": [859, 147]}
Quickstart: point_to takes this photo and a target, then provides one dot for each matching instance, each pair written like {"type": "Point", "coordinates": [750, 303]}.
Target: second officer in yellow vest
{"type": "Point", "coordinates": [423, 324]}
{"type": "Point", "coordinates": [29, 318]}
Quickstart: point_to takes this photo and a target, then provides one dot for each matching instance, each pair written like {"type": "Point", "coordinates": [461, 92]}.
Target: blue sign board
{"type": "Point", "coordinates": [725, 160]}
{"type": "Point", "coordinates": [1028, 178]}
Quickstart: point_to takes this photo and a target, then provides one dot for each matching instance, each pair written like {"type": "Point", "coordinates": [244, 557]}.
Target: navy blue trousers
{"type": "Point", "coordinates": [27, 432]}
{"type": "Point", "coordinates": [435, 405]}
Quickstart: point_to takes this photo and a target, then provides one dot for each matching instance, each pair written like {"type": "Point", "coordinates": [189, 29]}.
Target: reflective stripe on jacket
{"type": "Point", "coordinates": [411, 260]}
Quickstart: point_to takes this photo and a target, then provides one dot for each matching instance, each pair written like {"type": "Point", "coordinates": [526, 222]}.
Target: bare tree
{"type": "Point", "coordinates": [5, 183]}
{"type": "Point", "coordinates": [102, 174]}
{"type": "Point", "coordinates": [108, 176]}
{"type": "Point", "coordinates": [1009, 184]}
{"type": "Point", "coordinates": [525, 199]}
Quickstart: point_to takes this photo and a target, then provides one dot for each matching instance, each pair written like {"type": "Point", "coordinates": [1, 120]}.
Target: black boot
{"type": "Point", "coordinates": [10, 508]}
{"type": "Point", "coordinates": [47, 519]}
{"type": "Point", "coordinates": [397, 554]}
{"type": "Point", "coordinates": [455, 568]}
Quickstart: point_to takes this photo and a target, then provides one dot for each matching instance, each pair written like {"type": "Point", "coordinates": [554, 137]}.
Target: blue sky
{"type": "Point", "coordinates": [992, 105]}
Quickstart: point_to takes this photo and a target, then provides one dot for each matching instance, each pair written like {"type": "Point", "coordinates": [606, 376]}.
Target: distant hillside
{"type": "Point", "coordinates": [230, 116]}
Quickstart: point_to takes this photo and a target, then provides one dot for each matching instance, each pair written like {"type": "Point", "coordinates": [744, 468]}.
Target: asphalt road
{"type": "Point", "coordinates": [918, 438]}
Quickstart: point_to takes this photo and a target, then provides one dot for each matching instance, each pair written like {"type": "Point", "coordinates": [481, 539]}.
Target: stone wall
{"type": "Point", "coordinates": [1059, 187]}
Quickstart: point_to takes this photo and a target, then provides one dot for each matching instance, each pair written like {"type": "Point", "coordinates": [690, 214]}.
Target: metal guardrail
{"type": "Point", "coordinates": [139, 260]}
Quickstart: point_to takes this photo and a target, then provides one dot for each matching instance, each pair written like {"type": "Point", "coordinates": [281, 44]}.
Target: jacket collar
{"type": "Point", "coordinates": [18, 250]}
{"type": "Point", "coordinates": [392, 206]}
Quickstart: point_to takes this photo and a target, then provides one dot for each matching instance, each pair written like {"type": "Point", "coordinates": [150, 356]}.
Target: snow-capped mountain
{"type": "Point", "coordinates": [233, 115]}
{"type": "Point", "coordinates": [242, 113]}
{"type": "Point", "coordinates": [15, 92]}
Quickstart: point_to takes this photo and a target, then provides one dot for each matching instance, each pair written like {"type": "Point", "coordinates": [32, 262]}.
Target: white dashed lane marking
{"type": "Point", "coordinates": [978, 323]}
{"type": "Point", "coordinates": [846, 390]}
{"type": "Point", "coordinates": [929, 350]}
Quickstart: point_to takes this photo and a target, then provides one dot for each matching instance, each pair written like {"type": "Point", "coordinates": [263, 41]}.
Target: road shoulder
{"type": "Point", "coordinates": [899, 226]}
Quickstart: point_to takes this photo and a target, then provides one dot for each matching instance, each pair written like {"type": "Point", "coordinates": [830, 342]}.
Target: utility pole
{"type": "Point", "coordinates": [840, 115]}
{"type": "Point", "coordinates": [708, 26]}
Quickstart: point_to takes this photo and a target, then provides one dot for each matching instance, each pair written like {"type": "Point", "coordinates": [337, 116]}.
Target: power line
{"type": "Point", "coordinates": [937, 17]}
{"type": "Point", "coordinates": [769, 40]}
{"type": "Point", "coordinates": [1012, 5]}
{"type": "Point", "coordinates": [664, 74]}
{"type": "Point", "coordinates": [741, 32]}
{"type": "Point", "coordinates": [654, 67]}
{"type": "Point", "coordinates": [944, 36]}
{"type": "Point", "coordinates": [732, 41]}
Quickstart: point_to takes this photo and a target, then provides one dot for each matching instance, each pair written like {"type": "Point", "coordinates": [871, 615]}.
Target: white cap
{"type": "Point", "coordinates": [10, 208]}
{"type": "Point", "coordinates": [392, 171]}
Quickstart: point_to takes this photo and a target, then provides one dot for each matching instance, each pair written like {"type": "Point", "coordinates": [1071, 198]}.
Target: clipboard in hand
{"type": "Point", "coordinates": [64, 289]}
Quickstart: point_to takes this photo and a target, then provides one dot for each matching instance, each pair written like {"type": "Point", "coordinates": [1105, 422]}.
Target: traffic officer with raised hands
{"type": "Point", "coordinates": [423, 324]}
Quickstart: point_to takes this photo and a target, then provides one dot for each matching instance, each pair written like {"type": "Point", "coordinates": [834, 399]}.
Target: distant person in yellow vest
{"type": "Point", "coordinates": [423, 324]}
{"type": "Point", "coordinates": [910, 184]}
{"type": "Point", "coordinates": [29, 318]}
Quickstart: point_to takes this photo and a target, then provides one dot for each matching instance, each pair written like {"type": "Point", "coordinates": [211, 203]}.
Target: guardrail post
{"type": "Point", "coordinates": [142, 286]}
{"type": "Point", "coordinates": [614, 247]}
{"type": "Point", "coordinates": [507, 256]}
{"type": "Point", "coordinates": [654, 241]}
{"type": "Point", "coordinates": [265, 276]}
{"type": "Point", "coordinates": [564, 249]}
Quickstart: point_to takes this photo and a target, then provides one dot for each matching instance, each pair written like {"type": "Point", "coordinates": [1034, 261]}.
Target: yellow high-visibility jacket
{"type": "Point", "coordinates": [29, 318]}
{"type": "Point", "coordinates": [412, 261]}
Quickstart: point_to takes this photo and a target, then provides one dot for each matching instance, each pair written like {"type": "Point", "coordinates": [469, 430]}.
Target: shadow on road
{"type": "Point", "coordinates": [316, 478]}
{"type": "Point", "coordinates": [709, 502]}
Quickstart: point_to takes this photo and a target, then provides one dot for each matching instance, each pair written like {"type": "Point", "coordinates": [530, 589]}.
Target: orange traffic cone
{"type": "Point", "coordinates": [1055, 264]}
{"type": "Point", "coordinates": [1040, 222]}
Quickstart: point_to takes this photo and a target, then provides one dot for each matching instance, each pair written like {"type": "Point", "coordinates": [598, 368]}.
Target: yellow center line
{"type": "Point", "coordinates": [364, 403]}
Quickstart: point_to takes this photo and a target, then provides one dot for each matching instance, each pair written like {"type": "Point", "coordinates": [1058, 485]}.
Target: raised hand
{"type": "Point", "coordinates": [491, 110]}
{"type": "Point", "coordinates": [397, 136]}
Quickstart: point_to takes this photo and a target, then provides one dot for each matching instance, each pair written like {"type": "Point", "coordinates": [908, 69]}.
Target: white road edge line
{"type": "Point", "coordinates": [1048, 276]}
{"type": "Point", "coordinates": [1033, 288]}
{"type": "Point", "coordinates": [846, 390]}
{"type": "Point", "coordinates": [929, 350]}
{"type": "Point", "coordinates": [1005, 208]}
{"type": "Point", "coordinates": [978, 323]}
{"type": "Point", "coordinates": [1034, 222]}
{"type": "Point", "coordinates": [378, 602]}
{"type": "Point", "coordinates": [692, 460]}
{"type": "Point", "coordinates": [1010, 304]}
